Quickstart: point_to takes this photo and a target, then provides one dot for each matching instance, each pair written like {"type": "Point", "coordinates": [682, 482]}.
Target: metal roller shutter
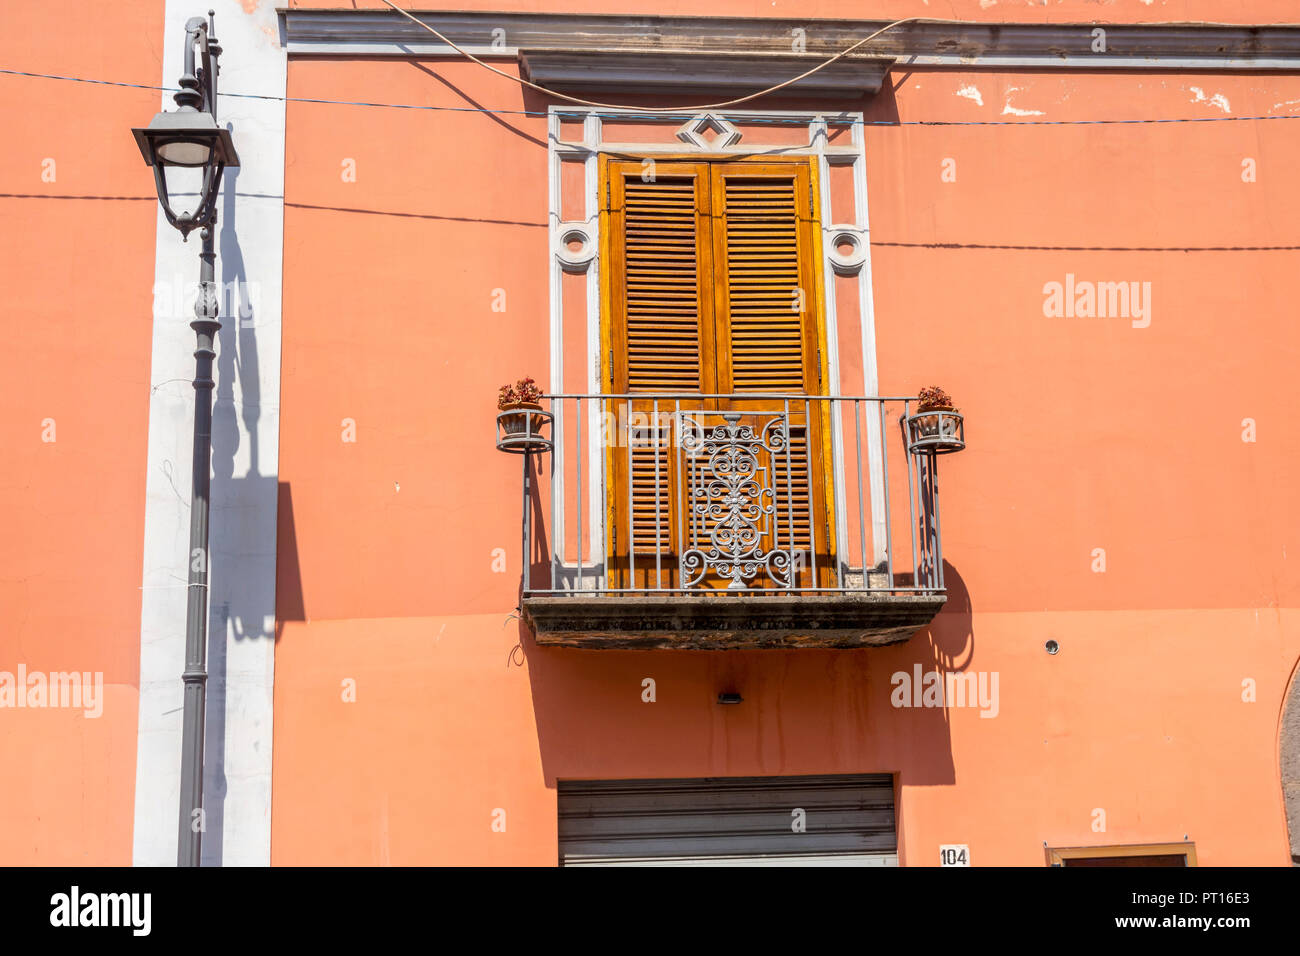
{"type": "Point", "coordinates": [729, 821]}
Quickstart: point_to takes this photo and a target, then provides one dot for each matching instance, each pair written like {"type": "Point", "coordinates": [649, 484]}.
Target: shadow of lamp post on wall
{"type": "Point", "coordinates": [190, 139]}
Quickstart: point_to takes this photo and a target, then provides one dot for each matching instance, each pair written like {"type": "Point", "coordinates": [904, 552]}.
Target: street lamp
{"type": "Point", "coordinates": [190, 138]}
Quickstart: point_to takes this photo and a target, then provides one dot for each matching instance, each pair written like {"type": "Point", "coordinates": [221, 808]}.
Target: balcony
{"type": "Point", "coordinates": [703, 522]}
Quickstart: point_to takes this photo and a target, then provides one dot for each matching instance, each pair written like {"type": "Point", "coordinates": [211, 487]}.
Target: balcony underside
{"type": "Point", "coordinates": [727, 622]}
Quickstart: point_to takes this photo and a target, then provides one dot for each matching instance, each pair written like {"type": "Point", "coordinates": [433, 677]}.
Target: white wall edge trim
{"type": "Point", "coordinates": [242, 544]}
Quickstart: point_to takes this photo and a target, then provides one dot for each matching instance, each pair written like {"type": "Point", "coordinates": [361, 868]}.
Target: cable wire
{"type": "Point", "coordinates": [651, 109]}
{"type": "Point", "coordinates": [680, 112]}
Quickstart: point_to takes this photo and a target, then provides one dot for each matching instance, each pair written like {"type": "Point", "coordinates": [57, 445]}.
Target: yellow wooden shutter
{"type": "Point", "coordinates": [710, 288]}
{"type": "Point", "coordinates": [661, 271]}
{"type": "Point", "coordinates": [661, 309]}
{"type": "Point", "coordinates": [764, 293]}
{"type": "Point", "coordinates": [765, 299]}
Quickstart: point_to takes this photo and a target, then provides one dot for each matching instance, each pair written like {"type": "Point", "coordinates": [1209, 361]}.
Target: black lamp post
{"type": "Point", "coordinates": [190, 138]}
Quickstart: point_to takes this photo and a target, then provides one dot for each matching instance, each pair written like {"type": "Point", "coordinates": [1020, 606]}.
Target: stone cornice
{"type": "Point", "coordinates": [1175, 46]}
{"type": "Point", "coordinates": [724, 74]}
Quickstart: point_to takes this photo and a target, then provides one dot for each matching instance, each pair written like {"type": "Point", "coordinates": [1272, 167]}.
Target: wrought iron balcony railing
{"type": "Point", "coordinates": [809, 513]}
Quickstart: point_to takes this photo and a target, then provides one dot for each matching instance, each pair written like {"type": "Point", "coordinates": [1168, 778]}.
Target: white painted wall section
{"type": "Point", "coordinates": [241, 644]}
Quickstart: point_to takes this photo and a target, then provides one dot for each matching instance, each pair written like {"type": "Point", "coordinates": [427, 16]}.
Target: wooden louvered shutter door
{"type": "Point", "coordinates": [711, 289]}
{"type": "Point", "coordinates": [661, 335]}
{"type": "Point", "coordinates": [765, 299]}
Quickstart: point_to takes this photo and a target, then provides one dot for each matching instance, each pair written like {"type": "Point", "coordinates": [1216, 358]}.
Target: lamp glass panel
{"type": "Point", "coordinates": [184, 188]}
{"type": "Point", "coordinates": [181, 152]}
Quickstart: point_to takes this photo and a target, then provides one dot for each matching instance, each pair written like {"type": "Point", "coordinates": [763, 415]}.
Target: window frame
{"type": "Point", "coordinates": [834, 141]}
{"type": "Point", "coordinates": [1056, 856]}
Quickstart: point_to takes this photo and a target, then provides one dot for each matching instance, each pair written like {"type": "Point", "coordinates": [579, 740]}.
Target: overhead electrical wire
{"type": "Point", "coordinates": [684, 114]}
{"type": "Point", "coordinates": [653, 109]}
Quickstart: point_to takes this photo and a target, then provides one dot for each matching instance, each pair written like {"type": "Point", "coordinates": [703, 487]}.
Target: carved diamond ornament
{"type": "Point", "coordinates": [694, 132]}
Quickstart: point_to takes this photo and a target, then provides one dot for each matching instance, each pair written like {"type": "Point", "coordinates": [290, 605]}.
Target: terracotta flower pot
{"type": "Point", "coordinates": [939, 429]}
{"type": "Point", "coordinates": [518, 424]}
{"type": "Point", "coordinates": [927, 426]}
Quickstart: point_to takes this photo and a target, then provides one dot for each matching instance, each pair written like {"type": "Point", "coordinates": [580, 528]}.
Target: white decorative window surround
{"type": "Point", "coordinates": [578, 135]}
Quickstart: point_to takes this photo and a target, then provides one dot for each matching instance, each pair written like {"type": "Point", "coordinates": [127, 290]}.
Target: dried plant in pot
{"type": "Point", "coordinates": [520, 418]}
{"type": "Point", "coordinates": [935, 424]}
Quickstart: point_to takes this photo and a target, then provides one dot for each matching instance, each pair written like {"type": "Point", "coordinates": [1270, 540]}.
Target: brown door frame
{"type": "Point", "coordinates": [613, 345]}
{"type": "Point", "coordinates": [1057, 856]}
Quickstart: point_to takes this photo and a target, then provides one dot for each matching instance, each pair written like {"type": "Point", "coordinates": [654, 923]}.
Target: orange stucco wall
{"type": "Point", "coordinates": [1084, 434]}
{"type": "Point", "coordinates": [77, 221]}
